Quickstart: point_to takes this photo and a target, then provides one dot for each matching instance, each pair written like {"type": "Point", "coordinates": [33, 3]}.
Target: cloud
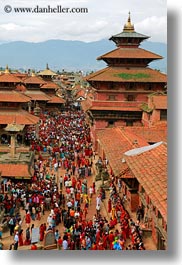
{"type": "Point", "coordinates": [103, 20]}
{"type": "Point", "coordinates": [154, 27]}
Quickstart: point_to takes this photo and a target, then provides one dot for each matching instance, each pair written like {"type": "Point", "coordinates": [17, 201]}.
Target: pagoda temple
{"type": "Point", "coordinates": [121, 90]}
{"type": "Point", "coordinates": [16, 160]}
{"type": "Point", "coordinates": [47, 74]}
{"type": "Point", "coordinates": [51, 89]}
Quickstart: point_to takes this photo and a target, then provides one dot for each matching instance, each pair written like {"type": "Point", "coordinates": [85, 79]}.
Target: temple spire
{"type": "Point", "coordinates": [47, 66]}
{"type": "Point", "coordinates": [33, 73]}
{"type": "Point", "coordinates": [128, 27]}
{"type": "Point", "coordinates": [7, 70]}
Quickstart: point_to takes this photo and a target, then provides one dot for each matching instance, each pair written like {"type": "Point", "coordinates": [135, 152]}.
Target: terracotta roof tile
{"type": "Point", "coordinates": [9, 78]}
{"type": "Point", "coordinates": [20, 116]}
{"type": "Point", "coordinates": [152, 134]}
{"type": "Point", "coordinates": [56, 100]}
{"type": "Point", "coordinates": [37, 95]}
{"type": "Point", "coordinates": [50, 85]}
{"type": "Point", "coordinates": [150, 169]}
{"type": "Point", "coordinates": [13, 96]}
{"type": "Point", "coordinates": [33, 80]}
{"type": "Point", "coordinates": [122, 74]}
{"type": "Point", "coordinates": [90, 104]}
{"type": "Point", "coordinates": [116, 108]}
{"type": "Point", "coordinates": [20, 75]}
{"type": "Point", "coordinates": [130, 53]}
{"type": "Point", "coordinates": [115, 105]}
{"type": "Point", "coordinates": [115, 142]}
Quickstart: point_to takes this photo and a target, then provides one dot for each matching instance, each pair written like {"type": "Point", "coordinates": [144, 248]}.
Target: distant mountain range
{"type": "Point", "coordinates": [68, 55]}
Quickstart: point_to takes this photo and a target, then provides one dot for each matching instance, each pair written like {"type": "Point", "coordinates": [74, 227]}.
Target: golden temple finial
{"type": "Point", "coordinates": [128, 27]}
{"type": "Point", "coordinates": [129, 19]}
{"type": "Point", "coordinates": [33, 72]}
{"type": "Point", "coordinates": [7, 70]}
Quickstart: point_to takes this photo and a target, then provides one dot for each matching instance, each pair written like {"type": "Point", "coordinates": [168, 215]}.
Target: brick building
{"type": "Point", "coordinates": [148, 166]}
{"type": "Point", "coordinates": [142, 169]}
{"type": "Point", "coordinates": [122, 88]}
{"type": "Point", "coordinates": [16, 160]}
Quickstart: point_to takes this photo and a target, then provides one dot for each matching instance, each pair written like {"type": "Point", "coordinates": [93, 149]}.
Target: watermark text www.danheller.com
{"type": "Point", "coordinates": [48, 9]}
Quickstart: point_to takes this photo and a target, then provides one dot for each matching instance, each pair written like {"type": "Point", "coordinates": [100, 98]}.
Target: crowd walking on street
{"type": "Point", "coordinates": [62, 195]}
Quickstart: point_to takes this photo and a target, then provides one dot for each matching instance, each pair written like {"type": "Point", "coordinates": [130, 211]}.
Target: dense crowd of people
{"type": "Point", "coordinates": [63, 144]}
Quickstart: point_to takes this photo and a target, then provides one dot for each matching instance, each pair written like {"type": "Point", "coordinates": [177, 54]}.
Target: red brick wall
{"type": "Point", "coordinates": [137, 123]}
{"type": "Point", "coordinates": [142, 97]}
{"type": "Point", "coordinates": [100, 124]}
{"type": "Point", "coordinates": [132, 199]}
{"type": "Point", "coordinates": [145, 118]}
{"type": "Point", "coordinates": [120, 96]}
{"type": "Point", "coordinates": [120, 123]}
{"type": "Point", "coordinates": [155, 116]}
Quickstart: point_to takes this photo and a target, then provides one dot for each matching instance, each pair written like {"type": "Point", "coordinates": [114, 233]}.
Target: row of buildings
{"type": "Point", "coordinates": [126, 107]}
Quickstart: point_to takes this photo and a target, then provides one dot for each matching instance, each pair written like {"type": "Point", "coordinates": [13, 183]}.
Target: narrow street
{"type": "Point", "coordinates": [64, 149]}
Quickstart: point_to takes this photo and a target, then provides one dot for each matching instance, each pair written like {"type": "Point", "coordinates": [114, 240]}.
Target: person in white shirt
{"type": "Point", "coordinates": [16, 239]}
{"type": "Point", "coordinates": [91, 191]}
{"type": "Point", "coordinates": [98, 200]}
{"type": "Point", "coordinates": [69, 204]}
{"type": "Point", "coordinates": [65, 244]}
{"type": "Point", "coordinates": [49, 219]}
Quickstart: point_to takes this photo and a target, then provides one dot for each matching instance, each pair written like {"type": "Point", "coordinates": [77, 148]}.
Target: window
{"type": "Point", "coordinates": [110, 123]}
{"type": "Point", "coordinates": [129, 123]}
{"type": "Point", "coordinates": [111, 97]}
{"type": "Point", "coordinates": [163, 115]}
{"type": "Point", "coordinates": [130, 98]}
{"type": "Point", "coordinates": [148, 86]}
{"type": "Point", "coordinates": [130, 86]}
{"type": "Point", "coordinates": [111, 85]}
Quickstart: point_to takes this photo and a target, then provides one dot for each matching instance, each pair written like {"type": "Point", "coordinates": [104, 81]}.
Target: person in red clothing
{"type": "Point", "coordinates": [93, 186]}
{"type": "Point", "coordinates": [100, 245]}
{"type": "Point", "coordinates": [111, 223]}
{"type": "Point", "coordinates": [27, 219]}
{"type": "Point", "coordinates": [33, 246]}
{"type": "Point", "coordinates": [97, 236]}
{"type": "Point", "coordinates": [111, 239]}
{"type": "Point", "coordinates": [41, 232]}
{"type": "Point", "coordinates": [105, 241]}
{"type": "Point", "coordinates": [94, 246]}
{"type": "Point", "coordinates": [59, 243]}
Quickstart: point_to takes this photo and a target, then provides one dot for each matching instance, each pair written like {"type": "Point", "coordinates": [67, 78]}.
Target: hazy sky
{"type": "Point", "coordinates": [104, 19]}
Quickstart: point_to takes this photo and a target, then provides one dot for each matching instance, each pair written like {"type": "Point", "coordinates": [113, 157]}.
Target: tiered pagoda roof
{"type": "Point", "coordinates": [13, 96]}
{"type": "Point", "coordinates": [123, 53]}
{"type": "Point", "coordinates": [34, 80]}
{"type": "Point", "coordinates": [47, 72]}
{"type": "Point", "coordinates": [9, 78]}
{"type": "Point", "coordinates": [128, 36]}
{"type": "Point", "coordinates": [50, 86]}
{"type": "Point", "coordinates": [37, 95]}
{"type": "Point", "coordinates": [123, 74]}
{"type": "Point", "coordinates": [19, 115]}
